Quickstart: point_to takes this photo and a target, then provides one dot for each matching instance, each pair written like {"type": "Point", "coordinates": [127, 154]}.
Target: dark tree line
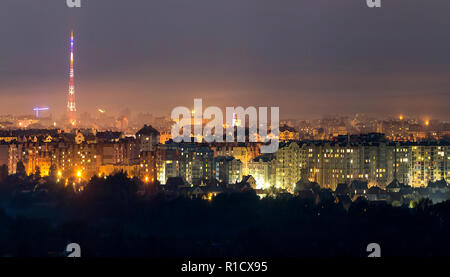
{"type": "Point", "coordinates": [111, 218]}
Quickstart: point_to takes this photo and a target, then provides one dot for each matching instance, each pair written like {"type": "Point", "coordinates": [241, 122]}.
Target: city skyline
{"type": "Point", "coordinates": [224, 136]}
{"type": "Point", "coordinates": [337, 67]}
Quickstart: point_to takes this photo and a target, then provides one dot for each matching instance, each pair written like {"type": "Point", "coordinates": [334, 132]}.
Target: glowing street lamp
{"type": "Point", "coordinates": [79, 175]}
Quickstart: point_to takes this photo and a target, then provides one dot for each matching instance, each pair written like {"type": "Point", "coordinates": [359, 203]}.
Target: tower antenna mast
{"type": "Point", "coordinates": [71, 108]}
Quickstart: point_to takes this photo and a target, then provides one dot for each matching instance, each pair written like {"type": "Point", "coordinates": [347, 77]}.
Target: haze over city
{"type": "Point", "coordinates": [310, 58]}
{"type": "Point", "coordinates": [224, 136]}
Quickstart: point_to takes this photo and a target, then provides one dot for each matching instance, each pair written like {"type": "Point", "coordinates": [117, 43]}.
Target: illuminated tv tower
{"type": "Point", "coordinates": [71, 108]}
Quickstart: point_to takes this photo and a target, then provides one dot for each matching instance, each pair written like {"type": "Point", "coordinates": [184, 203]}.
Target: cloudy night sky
{"type": "Point", "coordinates": [309, 57]}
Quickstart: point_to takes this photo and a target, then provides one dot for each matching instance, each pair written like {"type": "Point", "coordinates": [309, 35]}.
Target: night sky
{"type": "Point", "coordinates": [309, 57]}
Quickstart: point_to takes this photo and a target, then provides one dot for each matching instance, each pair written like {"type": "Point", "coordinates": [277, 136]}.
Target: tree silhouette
{"type": "Point", "coordinates": [423, 204]}
{"type": "Point", "coordinates": [20, 169]}
{"type": "Point", "coordinates": [37, 172]}
{"type": "Point", "coordinates": [3, 173]}
{"type": "Point", "coordinates": [53, 172]}
{"type": "Point", "coordinates": [115, 189]}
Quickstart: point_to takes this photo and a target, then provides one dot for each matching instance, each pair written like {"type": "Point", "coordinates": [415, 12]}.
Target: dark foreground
{"type": "Point", "coordinates": [109, 220]}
